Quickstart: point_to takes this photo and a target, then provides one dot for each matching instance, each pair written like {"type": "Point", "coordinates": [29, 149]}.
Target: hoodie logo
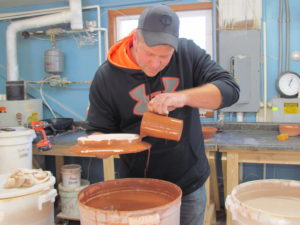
{"type": "Point", "coordinates": [139, 94]}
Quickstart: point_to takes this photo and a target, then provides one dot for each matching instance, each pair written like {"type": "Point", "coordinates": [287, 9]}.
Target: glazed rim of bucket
{"type": "Point", "coordinates": [256, 211]}
{"type": "Point", "coordinates": [161, 183]}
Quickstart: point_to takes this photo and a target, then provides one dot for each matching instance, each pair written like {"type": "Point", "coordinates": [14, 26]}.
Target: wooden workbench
{"type": "Point", "coordinates": [213, 201]}
{"type": "Point", "coordinates": [232, 157]}
{"type": "Point", "coordinates": [60, 151]}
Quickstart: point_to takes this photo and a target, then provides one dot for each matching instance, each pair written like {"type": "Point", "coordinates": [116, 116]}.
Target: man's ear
{"type": "Point", "coordinates": [134, 36]}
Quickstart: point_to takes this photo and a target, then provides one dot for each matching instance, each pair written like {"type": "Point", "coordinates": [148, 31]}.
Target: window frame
{"type": "Point", "coordinates": [113, 13]}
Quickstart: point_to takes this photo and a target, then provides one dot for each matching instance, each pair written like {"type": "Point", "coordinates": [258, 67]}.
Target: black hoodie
{"type": "Point", "coordinates": [118, 97]}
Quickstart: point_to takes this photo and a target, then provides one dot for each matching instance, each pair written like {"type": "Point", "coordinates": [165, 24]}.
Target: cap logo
{"type": "Point", "coordinates": [165, 20]}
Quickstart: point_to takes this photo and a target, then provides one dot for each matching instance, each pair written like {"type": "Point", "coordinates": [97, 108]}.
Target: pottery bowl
{"type": "Point", "coordinates": [290, 129]}
{"type": "Point", "coordinates": [208, 132]}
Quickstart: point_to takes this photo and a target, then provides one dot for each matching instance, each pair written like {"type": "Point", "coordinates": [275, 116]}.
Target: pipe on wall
{"type": "Point", "coordinates": [15, 27]}
{"type": "Point", "coordinates": [36, 22]}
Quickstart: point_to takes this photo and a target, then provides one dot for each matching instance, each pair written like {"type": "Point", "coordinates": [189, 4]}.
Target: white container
{"type": "Point", "coordinates": [68, 198]}
{"type": "Point", "coordinates": [16, 149]}
{"type": "Point", "coordinates": [130, 201]}
{"type": "Point", "coordinates": [71, 175]}
{"type": "Point", "coordinates": [265, 202]}
{"type": "Point", "coordinates": [30, 206]}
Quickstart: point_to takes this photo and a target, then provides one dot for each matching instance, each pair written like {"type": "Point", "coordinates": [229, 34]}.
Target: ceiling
{"type": "Point", "coordinates": [17, 3]}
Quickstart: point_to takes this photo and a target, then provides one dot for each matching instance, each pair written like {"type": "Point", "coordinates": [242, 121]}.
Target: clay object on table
{"type": "Point", "coordinates": [105, 145]}
{"type": "Point", "coordinates": [289, 129]}
{"type": "Point", "coordinates": [208, 132]}
{"type": "Point", "coordinates": [106, 140]}
{"type": "Point", "coordinates": [159, 126]}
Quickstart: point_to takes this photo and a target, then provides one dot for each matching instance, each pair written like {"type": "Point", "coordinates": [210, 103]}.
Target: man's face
{"type": "Point", "coordinates": [151, 59]}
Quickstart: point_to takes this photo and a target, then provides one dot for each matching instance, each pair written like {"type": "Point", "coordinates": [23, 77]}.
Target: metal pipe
{"type": "Point", "coordinates": [265, 70]}
{"type": "Point", "coordinates": [280, 37]}
{"type": "Point", "coordinates": [15, 27]}
{"type": "Point", "coordinates": [287, 35]}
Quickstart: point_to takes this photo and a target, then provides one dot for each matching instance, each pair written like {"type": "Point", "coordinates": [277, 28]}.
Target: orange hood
{"type": "Point", "coordinates": [120, 55]}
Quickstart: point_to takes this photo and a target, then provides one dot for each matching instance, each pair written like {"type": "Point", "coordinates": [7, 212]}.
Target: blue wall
{"type": "Point", "coordinates": [81, 62]}
{"type": "Point", "coordinates": [270, 16]}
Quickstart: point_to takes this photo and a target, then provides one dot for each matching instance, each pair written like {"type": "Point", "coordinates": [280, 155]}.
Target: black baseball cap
{"type": "Point", "coordinates": [160, 26]}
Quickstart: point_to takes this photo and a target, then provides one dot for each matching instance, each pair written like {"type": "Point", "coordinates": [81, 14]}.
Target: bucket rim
{"type": "Point", "coordinates": [232, 197]}
{"type": "Point", "coordinates": [19, 131]}
{"type": "Point", "coordinates": [68, 168]}
{"type": "Point", "coordinates": [176, 201]}
{"type": "Point", "coordinates": [19, 192]}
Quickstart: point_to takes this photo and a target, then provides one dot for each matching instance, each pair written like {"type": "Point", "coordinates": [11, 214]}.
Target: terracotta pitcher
{"type": "Point", "coordinates": [160, 126]}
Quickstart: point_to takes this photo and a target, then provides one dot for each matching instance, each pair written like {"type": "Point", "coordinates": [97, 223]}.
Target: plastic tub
{"type": "Point", "coordinates": [68, 198]}
{"type": "Point", "coordinates": [130, 201]}
{"type": "Point", "coordinates": [271, 202]}
{"type": "Point", "coordinates": [71, 175]}
{"type": "Point", "coordinates": [30, 206]}
{"type": "Point", "coordinates": [16, 149]}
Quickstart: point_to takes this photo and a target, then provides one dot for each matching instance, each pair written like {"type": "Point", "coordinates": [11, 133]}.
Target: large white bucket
{"type": "Point", "coordinates": [68, 199]}
{"type": "Point", "coordinates": [30, 206]}
{"type": "Point", "coordinates": [265, 202]}
{"type": "Point", "coordinates": [16, 149]}
{"type": "Point", "coordinates": [130, 201]}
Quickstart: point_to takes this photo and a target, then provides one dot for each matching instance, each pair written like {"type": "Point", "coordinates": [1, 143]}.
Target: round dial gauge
{"type": "Point", "coordinates": [288, 84]}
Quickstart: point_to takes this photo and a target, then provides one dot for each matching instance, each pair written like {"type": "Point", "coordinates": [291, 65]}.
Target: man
{"type": "Point", "coordinates": [152, 69]}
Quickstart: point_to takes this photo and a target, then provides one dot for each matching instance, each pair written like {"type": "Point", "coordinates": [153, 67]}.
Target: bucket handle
{"type": "Point", "coordinates": [150, 219]}
{"type": "Point", "coordinates": [48, 197]}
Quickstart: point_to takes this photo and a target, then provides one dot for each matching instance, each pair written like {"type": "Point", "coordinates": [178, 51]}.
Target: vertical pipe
{"type": "Point", "coordinates": [287, 35]}
{"type": "Point", "coordinates": [214, 30]}
{"type": "Point", "coordinates": [280, 37]}
{"type": "Point", "coordinates": [265, 71]}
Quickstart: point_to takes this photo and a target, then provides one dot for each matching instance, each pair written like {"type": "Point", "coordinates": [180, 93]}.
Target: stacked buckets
{"type": "Point", "coordinates": [18, 206]}
{"type": "Point", "coordinates": [69, 189]}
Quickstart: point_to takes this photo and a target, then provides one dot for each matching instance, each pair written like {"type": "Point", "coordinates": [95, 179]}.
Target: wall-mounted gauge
{"type": "Point", "coordinates": [288, 84]}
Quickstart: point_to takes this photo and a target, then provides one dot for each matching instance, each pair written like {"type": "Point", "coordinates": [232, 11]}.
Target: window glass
{"type": "Point", "coordinates": [195, 25]}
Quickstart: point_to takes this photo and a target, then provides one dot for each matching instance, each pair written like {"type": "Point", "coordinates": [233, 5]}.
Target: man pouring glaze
{"type": "Point", "coordinates": [154, 70]}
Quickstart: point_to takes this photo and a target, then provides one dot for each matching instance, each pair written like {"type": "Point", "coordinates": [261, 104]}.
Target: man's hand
{"type": "Point", "coordinates": [166, 102]}
{"type": "Point", "coordinates": [207, 96]}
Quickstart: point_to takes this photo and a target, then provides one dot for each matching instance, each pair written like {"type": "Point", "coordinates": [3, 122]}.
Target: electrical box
{"type": "Point", "coordinates": [286, 110]}
{"type": "Point", "coordinates": [242, 60]}
{"type": "Point", "coordinates": [16, 113]}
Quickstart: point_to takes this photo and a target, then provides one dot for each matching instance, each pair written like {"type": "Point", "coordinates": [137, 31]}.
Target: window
{"type": "Point", "coordinates": [195, 23]}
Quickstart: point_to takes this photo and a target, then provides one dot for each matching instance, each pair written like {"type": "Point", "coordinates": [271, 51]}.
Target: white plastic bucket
{"type": "Point", "coordinates": [68, 199]}
{"type": "Point", "coordinates": [71, 175]}
{"type": "Point", "coordinates": [30, 206]}
{"type": "Point", "coordinates": [16, 149]}
{"type": "Point", "coordinates": [130, 201]}
{"type": "Point", "coordinates": [265, 202]}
